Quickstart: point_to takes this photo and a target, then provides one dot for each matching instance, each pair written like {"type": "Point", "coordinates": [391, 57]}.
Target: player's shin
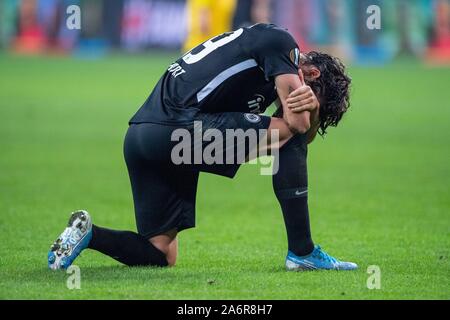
{"type": "Point", "coordinates": [127, 247]}
{"type": "Point", "coordinates": [290, 184]}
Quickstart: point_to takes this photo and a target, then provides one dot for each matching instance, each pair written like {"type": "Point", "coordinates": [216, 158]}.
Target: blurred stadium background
{"type": "Point", "coordinates": [379, 183]}
{"type": "Point", "coordinates": [415, 28]}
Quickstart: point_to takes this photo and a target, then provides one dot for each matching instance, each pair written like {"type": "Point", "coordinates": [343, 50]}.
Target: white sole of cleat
{"type": "Point", "coordinates": [60, 251]}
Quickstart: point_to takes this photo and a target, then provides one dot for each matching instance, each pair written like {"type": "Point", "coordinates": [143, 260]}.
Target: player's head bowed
{"type": "Point", "coordinates": [332, 88]}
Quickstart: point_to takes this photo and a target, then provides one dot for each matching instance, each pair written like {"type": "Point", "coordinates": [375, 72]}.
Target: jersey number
{"type": "Point", "coordinates": [211, 45]}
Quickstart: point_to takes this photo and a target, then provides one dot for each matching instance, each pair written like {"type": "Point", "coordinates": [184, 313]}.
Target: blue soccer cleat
{"type": "Point", "coordinates": [71, 242]}
{"type": "Point", "coordinates": [316, 260]}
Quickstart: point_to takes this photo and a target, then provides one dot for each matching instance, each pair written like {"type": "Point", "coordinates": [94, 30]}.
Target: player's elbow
{"type": "Point", "coordinates": [299, 126]}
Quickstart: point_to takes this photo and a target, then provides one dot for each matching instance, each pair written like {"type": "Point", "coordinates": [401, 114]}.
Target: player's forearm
{"type": "Point", "coordinates": [298, 122]}
{"type": "Point", "coordinates": [315, 124]}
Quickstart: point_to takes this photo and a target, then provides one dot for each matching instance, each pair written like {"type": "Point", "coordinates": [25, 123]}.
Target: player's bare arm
{"type": "Point", "coordinates": [315, 125]}
{"type": "Point", "coordinates": [304, 99]}
{"type": "Point", "coordinates": [308, 102]}
{"type": "Point", "coordinates": [298, 122]}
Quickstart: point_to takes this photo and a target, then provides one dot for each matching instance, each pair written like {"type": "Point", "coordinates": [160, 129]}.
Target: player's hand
{"type": "Point", "coordinates": [303, 98]}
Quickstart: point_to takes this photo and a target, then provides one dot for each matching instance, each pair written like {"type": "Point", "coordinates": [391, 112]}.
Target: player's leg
{"type": "Point", "coordinates": [291, 178]}
{"type": "Point", "coordinates": [126, 247]}
{"type": "Point", "coordinates": [164, 199]}
{"type": "Point", "coordinates": [163, 193]}
{"type": "Point", "coordinates": [290, 184]}
{"type": "Point", "coordinates": [160, 250]}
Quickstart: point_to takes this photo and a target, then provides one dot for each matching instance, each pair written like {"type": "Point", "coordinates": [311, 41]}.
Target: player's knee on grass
{"type": "Point", "coordinates": [168, 244]}
{"type": "Point", "coordinates": [173, 253]}
{"type": "Point", "coordinates": [170, 252]}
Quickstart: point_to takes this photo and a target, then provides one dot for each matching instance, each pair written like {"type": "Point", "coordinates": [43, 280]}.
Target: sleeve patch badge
{"type": "Point", "coordinates": [294, 55]}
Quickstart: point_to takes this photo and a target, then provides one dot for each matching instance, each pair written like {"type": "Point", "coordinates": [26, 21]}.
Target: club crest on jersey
{"type": "Point", "coordinates": [255, 104]}
{"type": "Point", "coordinates": [251, 117]}
{"type": "Point", "coordinates": [294, 55]}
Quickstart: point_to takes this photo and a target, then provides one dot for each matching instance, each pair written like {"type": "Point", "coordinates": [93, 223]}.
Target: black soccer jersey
{"type": "Point", "coordinates": [233, 72]}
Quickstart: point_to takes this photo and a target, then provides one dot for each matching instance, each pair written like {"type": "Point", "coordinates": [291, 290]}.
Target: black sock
{"type": "Point", "coordinates": [126, 247]}
{"type": "Point", "coordinates": [290, 184]}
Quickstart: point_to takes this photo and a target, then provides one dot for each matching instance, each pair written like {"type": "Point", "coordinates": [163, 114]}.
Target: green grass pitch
{"type": "Point", "coordinates": [379, 189]}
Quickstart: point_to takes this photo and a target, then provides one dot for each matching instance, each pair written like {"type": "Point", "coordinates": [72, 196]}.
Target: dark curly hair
{"type": "Point", "coordinates": [332, 88]}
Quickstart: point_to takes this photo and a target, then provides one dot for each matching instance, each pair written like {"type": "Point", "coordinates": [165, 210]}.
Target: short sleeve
{"type": "Point", "coordinates": [274, 49]}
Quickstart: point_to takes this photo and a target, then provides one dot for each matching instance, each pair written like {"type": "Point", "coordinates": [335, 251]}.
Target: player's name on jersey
{"type": "Point", "coordinates": [175, 69]}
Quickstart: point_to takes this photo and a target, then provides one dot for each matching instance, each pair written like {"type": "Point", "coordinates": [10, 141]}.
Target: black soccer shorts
{"type": "Point", "coordinates": [164, 193]}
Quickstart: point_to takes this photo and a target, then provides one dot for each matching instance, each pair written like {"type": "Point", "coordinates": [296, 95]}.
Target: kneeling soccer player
{"type": "Point", "coordinates": [222, 84]}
